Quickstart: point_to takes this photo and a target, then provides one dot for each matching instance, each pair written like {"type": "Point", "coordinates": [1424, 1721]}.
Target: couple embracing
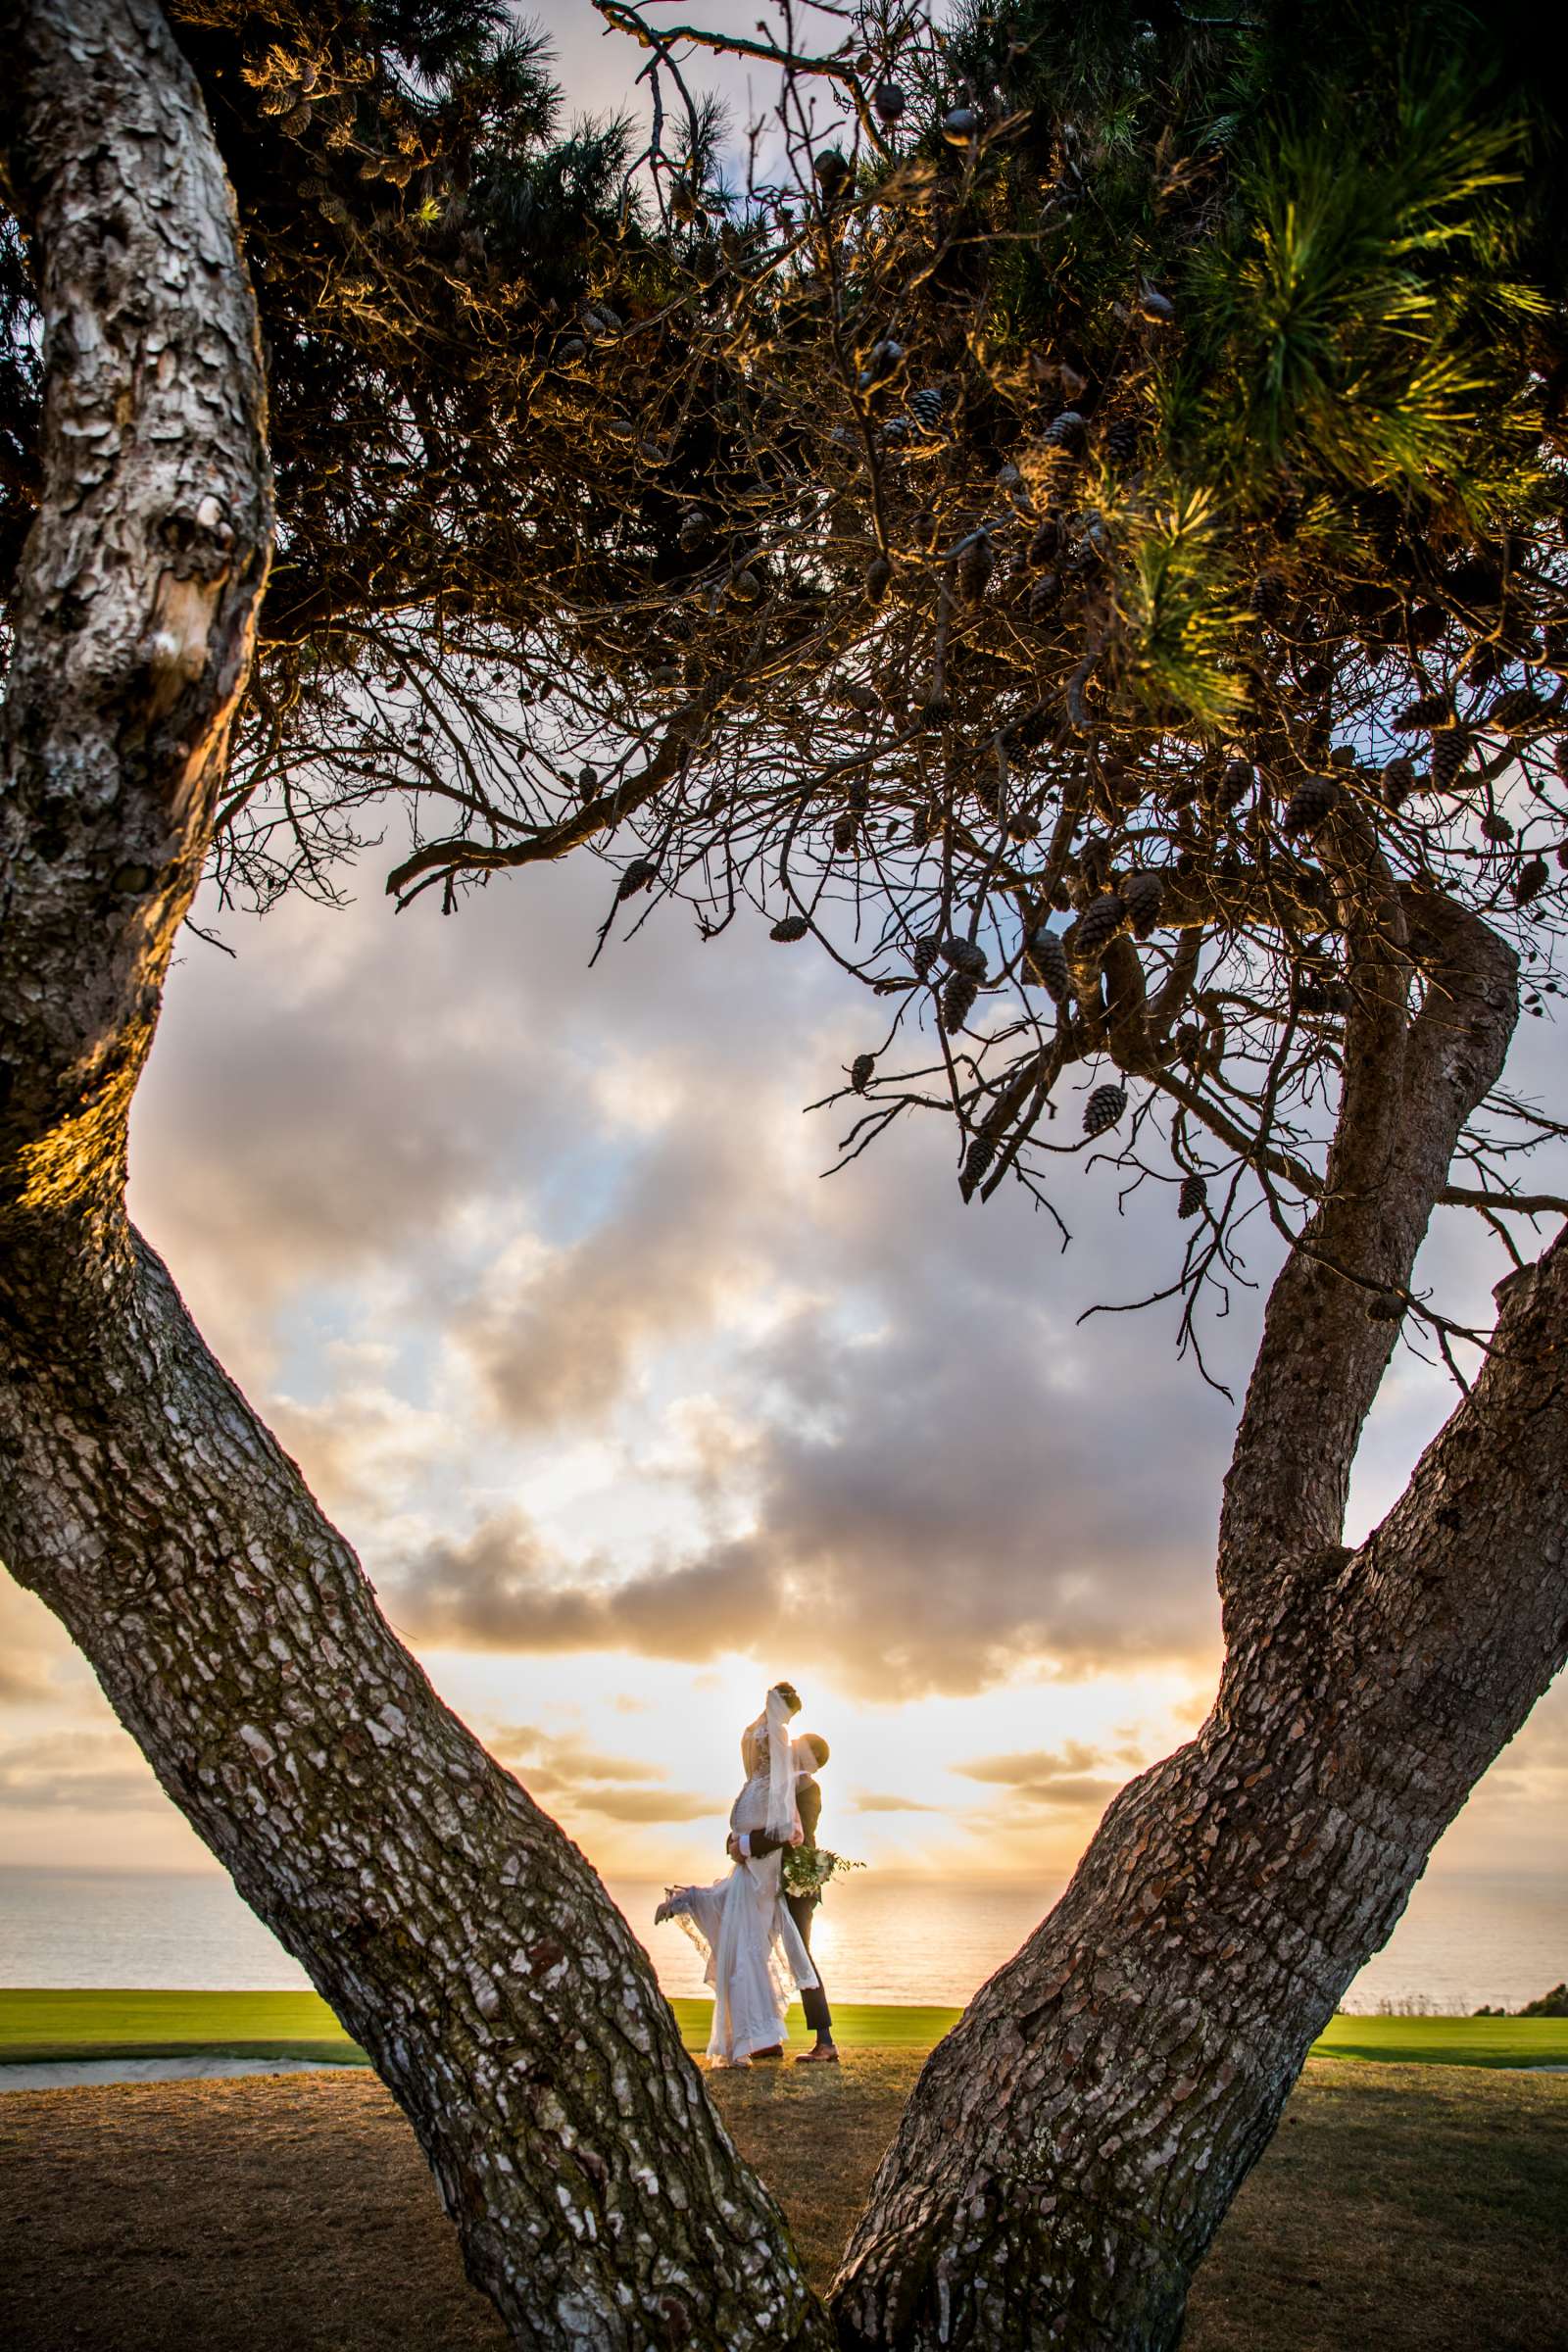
{"type": "Point", "coordinates": [753, 1933]}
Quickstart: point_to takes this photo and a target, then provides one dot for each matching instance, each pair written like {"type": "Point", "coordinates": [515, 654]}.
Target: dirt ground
{"type": "Point", "coordinates": [1415, 2209]}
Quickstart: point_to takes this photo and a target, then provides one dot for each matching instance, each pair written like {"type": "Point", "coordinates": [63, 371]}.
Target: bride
{"type": "Point", "coordinates": [741, 1925]}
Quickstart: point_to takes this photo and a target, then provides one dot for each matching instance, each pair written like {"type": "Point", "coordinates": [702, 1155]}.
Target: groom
{"type": "Point", "coordinates": [748, 1844]}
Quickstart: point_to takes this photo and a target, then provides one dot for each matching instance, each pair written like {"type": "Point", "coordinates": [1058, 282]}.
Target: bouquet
{"type": "Point", "coordinates": [808, 1868]}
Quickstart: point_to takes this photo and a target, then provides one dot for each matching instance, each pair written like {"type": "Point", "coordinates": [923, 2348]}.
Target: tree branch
{"type": "Point", "coordinates": [1410, 1090]}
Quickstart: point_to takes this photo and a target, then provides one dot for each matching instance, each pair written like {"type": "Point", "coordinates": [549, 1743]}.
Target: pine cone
{"type": "Point", "coordinates": [1143, 895]}
{"type": "Point", "coordinates": [934, 707]}
{"type": "Point", "coordinates": [860, 1069]}
{"type": "Point", "coordinates": [1188, 1042]}
{"type": "Point", "coordinates": [846, 832]}
{"type": "Point", "coordinates": [1427, 711]}
{"type": "Point", "coordinates": [975, 566]}
{"type": "Point", "coordinates": [1104, 1109]}
{"type": "Point", "coordinates": [1046, 963]}
{"type": "Point", "coordinates": [1029, 728]}
{"type": "Point", "coordinates": [958, 992]}
{"type": "Point", "coordinates": [858, 797]}
{"type": "Point", "coordinates": [889, 100]}
{"type": "Point", "coordinates": [1515, 710]}
{"type": "Point", "coordinates": [1066, 431]}
{"type": "Point", "coordinates": [926, 407]}
{"type": "Point", "coordinates": [1193, 1195]}
{"type": "Point", "coordinates": [641, 874]}
{"type": "Point", "coordinates": [587, 783]}
{"type": "Point", "coordinates": [832, 172]}
{"type": "Point", "coordinates": [976, 1160]}
{"type": "Point", "coordinates": [1234, 785]}
{"type": "Point", "coordinates": [1267, 599]}
{"type": "Point", "coordinates": [1121, 440]}
{"type": "Point", "coordinates": [878, 573]}
{"type": "Point", "coordinates": [1044, 595]}
{"type": "Point", "coordinates": [1398, 782]}
{"type": "Point", "coordinates": [959, 125]}
{"type": "Point", "coordinates": [925, 953]}
{"type": "Point", "coordinates": [1313, 799]}
{"type": "Point", "coordinates": [1047, 541]}
{"type": "Point", "coordinates": [965, 955]}
{"type": "Point", "coordinates": [1449, 751]}
{"type": "Point", "coordinates": [1099, 925]}
{"type": "Point", "coordinates": [1532, 880]}
{"type": "Point", "coordinates": [1495, 828]}
{"type": "Point", "coordinates": [792, 929]}
{"type": "Point", "coordinates": [1559, 756]}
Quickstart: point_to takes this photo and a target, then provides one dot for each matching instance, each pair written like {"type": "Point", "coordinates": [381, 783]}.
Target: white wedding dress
{"type": "Point", "coordinates": [741, 1924]}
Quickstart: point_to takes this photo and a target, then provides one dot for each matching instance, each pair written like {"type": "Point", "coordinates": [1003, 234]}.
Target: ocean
{"type": "Point", "coordinates": [1465, 1940]}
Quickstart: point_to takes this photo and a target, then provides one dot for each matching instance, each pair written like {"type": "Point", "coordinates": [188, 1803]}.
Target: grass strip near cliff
{"type": "Point", "coordinates": [38, 2026]}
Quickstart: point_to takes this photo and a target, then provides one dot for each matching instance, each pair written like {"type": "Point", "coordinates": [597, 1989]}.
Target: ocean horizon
{"type": "Point", "coordinates": [1467, 1938]}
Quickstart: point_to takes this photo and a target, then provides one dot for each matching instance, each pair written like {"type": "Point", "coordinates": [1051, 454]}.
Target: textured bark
{"type": "Point", "coordinates": [460, 1936]}
{"type": "Point", "coordinates": [1072, 2146]}
{"type": "Point", "coordinates": [454, 1929]}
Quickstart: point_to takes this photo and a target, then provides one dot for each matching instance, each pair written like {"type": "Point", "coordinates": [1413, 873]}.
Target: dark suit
{"type": "Point", "coordinates": [808, 1804]}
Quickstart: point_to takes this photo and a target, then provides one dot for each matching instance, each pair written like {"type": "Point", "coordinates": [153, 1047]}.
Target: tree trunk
{"type": "Point", "coordinates": [460, 1936]}
{"type": "Point", "coordinates": [454, 1929]}
{"type": "Point", "coordinates": [1072, 2146]}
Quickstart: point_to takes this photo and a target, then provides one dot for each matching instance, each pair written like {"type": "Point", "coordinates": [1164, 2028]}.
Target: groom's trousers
{"type": "Point", "coordinates": [814, 1997]}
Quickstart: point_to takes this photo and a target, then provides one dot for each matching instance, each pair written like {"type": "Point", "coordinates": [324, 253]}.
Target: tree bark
{"type": "Point", "coordinates": [1072, 2146]}
{"type": "Point", "coordinates": [455, 1931]}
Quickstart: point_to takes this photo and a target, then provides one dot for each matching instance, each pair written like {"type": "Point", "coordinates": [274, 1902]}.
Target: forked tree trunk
{"type": "Point", "coordinates": [1075, 2142]}
{"type": "Point", "coordinates": [1072, 2146]}
{"type": "Point", "coordinates": [454, 1929]}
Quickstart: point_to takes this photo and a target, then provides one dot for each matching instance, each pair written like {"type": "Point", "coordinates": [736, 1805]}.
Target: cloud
{"type": "Point", "coordinates": [1065, 1776]}
{"type": "Point", "coordinates": [558, 1335]}
{"type": "Point", "coordinates": [559, 1762]}
{"type": "Point", "coordinates": [92, 1771]}
{"type": "Point", "coordinates": [554, 1765]}
{"type": "Point", "coordinates": [923, 1497]}
{"type": "Point", "coordinates": [359, 1444]}
{"type": "Point", "coordinates": [561, 1213]}
{"type": "Point", "coordinates": [32, 1645]}
{"type": "Point", "coordinates": [870, 1801]}
{"type": "Point", "coordinates": [649, 1805]}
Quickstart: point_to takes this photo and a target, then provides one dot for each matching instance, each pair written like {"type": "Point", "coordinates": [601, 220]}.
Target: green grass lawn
{"type": "Point", "coordinates": [45, 2025]}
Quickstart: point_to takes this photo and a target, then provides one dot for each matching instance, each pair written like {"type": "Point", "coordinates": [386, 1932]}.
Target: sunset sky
{"type": "Point", "coordinates": [629, 1412]}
